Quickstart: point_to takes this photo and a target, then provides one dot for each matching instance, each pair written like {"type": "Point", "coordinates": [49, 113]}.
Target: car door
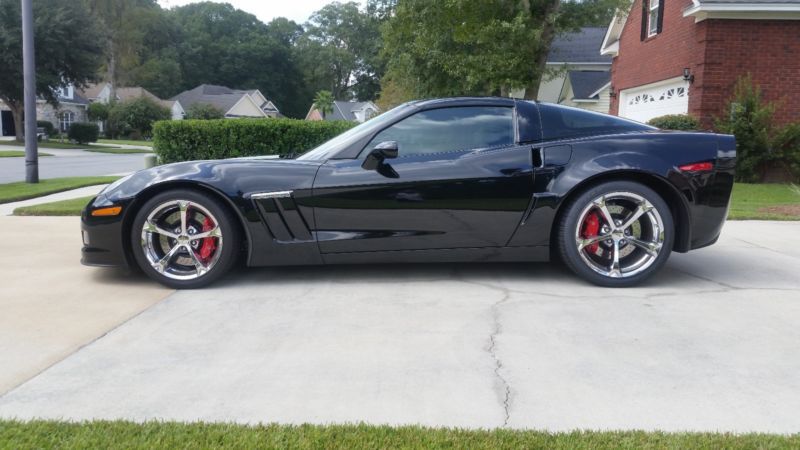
{"type": "Point", "coordinates": [459, 181]}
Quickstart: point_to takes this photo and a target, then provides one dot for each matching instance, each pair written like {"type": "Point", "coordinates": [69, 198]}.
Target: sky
{"type": "Point", "coordinates": [266, 10]}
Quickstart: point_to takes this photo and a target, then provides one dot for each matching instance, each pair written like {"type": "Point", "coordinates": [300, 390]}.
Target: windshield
{"type": "Point", "coordinates": [342, 141]}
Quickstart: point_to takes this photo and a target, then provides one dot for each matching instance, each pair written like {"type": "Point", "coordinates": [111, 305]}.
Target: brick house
{"type": "Point", "coordinates": [684, 56]}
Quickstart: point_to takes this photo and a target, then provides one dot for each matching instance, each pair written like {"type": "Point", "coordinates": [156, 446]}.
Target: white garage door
{"type": "Point", "coordinates": [642, 103]}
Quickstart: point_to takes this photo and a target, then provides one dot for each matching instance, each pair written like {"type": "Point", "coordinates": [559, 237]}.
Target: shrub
{"type": "Point", "coordinates": [185, 140]}
{"type": "Point", "coordinates": [48, 126]}
{"type": "Point", "coordinates": [760, 144]}
{"type": "Point", "coordinates": [83, 132]}
{"type": "Point", "coordinates": [136, 115]}
{"type": "Point", "coordinates": [680, 122]}
{"type": "Point", "coordinates": [204, 111]}
{"type": "Point", "coordinates": [98, 111]}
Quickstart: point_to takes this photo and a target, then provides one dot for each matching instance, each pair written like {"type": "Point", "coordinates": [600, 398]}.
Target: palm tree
{"type": "Point", "coordinates": [323, 101]}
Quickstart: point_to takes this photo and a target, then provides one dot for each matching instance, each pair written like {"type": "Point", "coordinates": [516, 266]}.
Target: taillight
{"type": "Point", "coordinates": [697, 167]}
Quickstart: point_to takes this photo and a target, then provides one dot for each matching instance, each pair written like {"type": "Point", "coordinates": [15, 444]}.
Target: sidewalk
{"type": "Point", "coordinates": [7, 209]}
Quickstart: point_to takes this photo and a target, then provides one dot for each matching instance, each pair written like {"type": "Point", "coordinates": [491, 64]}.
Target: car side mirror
{"type": "Point", "coordinates": [382, 151]}
{"type": "Point", "coordinates": [386, 149]}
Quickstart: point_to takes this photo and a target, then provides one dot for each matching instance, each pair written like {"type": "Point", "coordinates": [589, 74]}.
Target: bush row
{"type": "Point", "coordinates": [680, 122]}
{"type": "Point", "coordinates": [186, 140]}
{"type": "Point", "coordinates": [83, 133]}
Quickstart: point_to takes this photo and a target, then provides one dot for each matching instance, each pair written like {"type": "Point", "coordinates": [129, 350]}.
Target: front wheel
{"type": "Point", "coordinates": [616, 234]}
{"type": "Point", "coordinates": [184, 239]}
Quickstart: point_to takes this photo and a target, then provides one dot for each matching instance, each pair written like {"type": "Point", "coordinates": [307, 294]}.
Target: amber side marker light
{"type": "Point", "coordinates": [106, 212]}
{"type": "Point", "coordinates": [697, 167]}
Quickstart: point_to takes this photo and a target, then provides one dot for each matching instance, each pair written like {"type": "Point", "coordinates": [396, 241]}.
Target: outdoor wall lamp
{"type": "Point", "coordinates": [612, 94]}
{"type": "Point", "coordinates": [687, 75]}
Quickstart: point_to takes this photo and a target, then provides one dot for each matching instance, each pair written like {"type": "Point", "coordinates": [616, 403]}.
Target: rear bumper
{"type": "Point", "coordinates": [102, 239]}
{"type": "Point", "coordinates": [712, 197]}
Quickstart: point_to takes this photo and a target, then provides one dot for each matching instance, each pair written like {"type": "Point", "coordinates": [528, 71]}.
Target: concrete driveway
{"type": "Point", "coordinates": [710, 344]}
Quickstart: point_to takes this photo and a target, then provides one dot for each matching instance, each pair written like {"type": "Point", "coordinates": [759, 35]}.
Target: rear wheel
{"type": "Point", "coordinates": [616, 234]}
{"type": "Point", "coordinates": [184, 239]}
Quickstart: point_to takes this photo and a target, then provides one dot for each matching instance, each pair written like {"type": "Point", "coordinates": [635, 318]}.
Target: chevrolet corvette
{"type": "Point", "coordinates": [443, 180]}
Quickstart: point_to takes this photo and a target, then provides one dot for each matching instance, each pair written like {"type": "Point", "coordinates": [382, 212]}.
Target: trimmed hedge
{"type": "Point", "coordinates": [681, 122]}
{"type": "Point", "coordinates": [186, 140]}
{"type": "Point", "coordinates": [83, 132]}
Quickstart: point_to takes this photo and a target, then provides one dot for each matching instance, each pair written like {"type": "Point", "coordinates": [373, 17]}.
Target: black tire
{"type": "Point", "coordinates": [229, 240]}
{"type": "Point", "coordinates": [581, 261]}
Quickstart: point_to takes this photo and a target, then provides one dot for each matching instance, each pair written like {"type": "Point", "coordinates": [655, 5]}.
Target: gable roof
{"type": "Point", "coordinates": [587, 84]}
{"type": "Point", "coordinates": [579, 47]}
{"type": "Point", "coordinates": [92, 91]}
{"type": "Point", "coordinates": [223, 98]}
{"type": "Point", "coordinates": [347, 110]}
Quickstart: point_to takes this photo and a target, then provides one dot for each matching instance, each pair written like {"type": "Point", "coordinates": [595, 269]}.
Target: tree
{"type": "Point", "coordinates": [98, 112]}
{"type": "Point", "coordinates": [479, 47]}
{"type": "Point", "coordinates": [123, 39]}
{"type": "Point", "coordinates": [340, 51]}
{"type": "Point", "coordinates": [204, 111]}
{"type": "Point", "coordinates": [136, 117]}
{"type": "Point", "coordinates": [59, 25]}
{"type": "Point", "coordinates": [323, 101]}
{"type": "Point", "coordinates": [227, 46]}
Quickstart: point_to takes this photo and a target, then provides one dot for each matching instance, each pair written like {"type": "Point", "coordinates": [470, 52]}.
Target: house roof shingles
{"type": "Point", "coordinates": [221, 97]}
{"type": "Point", "coordinates": [579, 47]}
{"type": "Point", "coordinates": [345, 110]}
{"type": "Point", "coordinates": [585, 83]}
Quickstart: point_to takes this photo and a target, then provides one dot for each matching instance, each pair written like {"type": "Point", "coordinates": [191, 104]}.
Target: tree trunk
{"type": "Point", "coordinates": [19, 123]}
{"type": "Point", "coordinates": [548, 34]}
{"type": "Point", "coordinates": [112, 77]}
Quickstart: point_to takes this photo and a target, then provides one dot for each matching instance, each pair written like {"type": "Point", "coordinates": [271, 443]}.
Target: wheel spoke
{"type": "Point", "coordinates": [652, 248]}
{"type": "Point", "coordinates": [214, 232]}
{"type": "Point", "coordinates": [184, 206]}
{"type": "Point", "coordinates": [643, 208]}
{"type": "Point", "coordinates": [162, 264]}
{"type": "Point", "coordinates": [200, 268]}
{"type": "Point", "coordinates": [615, 271]}
{"type": "Point", "coordinates": [151, 227]}
{"type": "Point", "coordinates": [585, 242]}
{"type": "Point", "coordinates": [603, 207]}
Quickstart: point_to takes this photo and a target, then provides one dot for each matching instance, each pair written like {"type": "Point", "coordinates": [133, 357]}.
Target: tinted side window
{"type": "Point", "coordinates": [561, 122]}
{"type": "Point", "coordinates": [450, 129]}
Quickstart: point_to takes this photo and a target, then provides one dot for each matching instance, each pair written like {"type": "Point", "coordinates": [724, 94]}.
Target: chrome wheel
{"type": "Point", "coordinates": [181, 240]}
{"type": "Point", "coordinates": [619, 234]}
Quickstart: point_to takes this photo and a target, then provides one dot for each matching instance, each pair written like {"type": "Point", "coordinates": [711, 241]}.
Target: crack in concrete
{"type": "Point", "coordinates": [766, 248]}
{"type": "Point", "coordinates": [492, 347]}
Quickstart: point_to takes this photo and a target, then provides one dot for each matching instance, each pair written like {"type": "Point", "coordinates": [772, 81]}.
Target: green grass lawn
{"type": "Point", "coordinates": [113, 435]}
{"type": "Point", "coordinates": [125, 142]}
{"type": "Point", "coordinates": [13, 192]}
{"type": "Point", "coordinates": [118, 151]}
{"type": "Point", "coordinates": [765, 202]}
{"type": "Point", "coordinates": [57, 145]}
{"type": "Point", "coordinates": [17, 153]}
{"type": "Point", "coordinates": [71, 207]}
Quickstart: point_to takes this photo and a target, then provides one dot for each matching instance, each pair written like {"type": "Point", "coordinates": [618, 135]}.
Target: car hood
{"type": "Point", "coordinates": [234, 177]}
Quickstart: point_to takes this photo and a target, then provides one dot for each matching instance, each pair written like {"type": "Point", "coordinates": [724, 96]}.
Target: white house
{"type": "Point", "coordinates": [352, 111]}
{"type": "Point", "coordinates": [232, 102]}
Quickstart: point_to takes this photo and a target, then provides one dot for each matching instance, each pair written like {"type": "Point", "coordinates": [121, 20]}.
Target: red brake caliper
{"type": "Point", "coordinates": [591, 226]}
{"type": "Point", "coordinates": [209, 243]}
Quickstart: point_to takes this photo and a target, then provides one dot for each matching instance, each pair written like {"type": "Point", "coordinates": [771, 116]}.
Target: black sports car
{"type": "Point", "coordinates": [462, 179]}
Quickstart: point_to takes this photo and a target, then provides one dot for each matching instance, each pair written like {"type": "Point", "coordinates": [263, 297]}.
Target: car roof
{"type": "Point", "coordinates": [463, 101]}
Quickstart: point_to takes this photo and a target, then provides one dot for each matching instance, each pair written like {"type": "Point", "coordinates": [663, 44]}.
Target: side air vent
{"type": "Point", "coordinates": [280, 214]}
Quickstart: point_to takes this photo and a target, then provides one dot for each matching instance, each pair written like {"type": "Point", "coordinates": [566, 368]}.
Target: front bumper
{"type": "Point", "coordinates": [103, 237]}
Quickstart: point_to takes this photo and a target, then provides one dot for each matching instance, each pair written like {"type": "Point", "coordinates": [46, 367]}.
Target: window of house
{"type": "Point", "coordinates": [652, 17]}
{"type": "Point", "coordinates": [450, 129]}
{"type": "Point", "coordinates": [65, 120]}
